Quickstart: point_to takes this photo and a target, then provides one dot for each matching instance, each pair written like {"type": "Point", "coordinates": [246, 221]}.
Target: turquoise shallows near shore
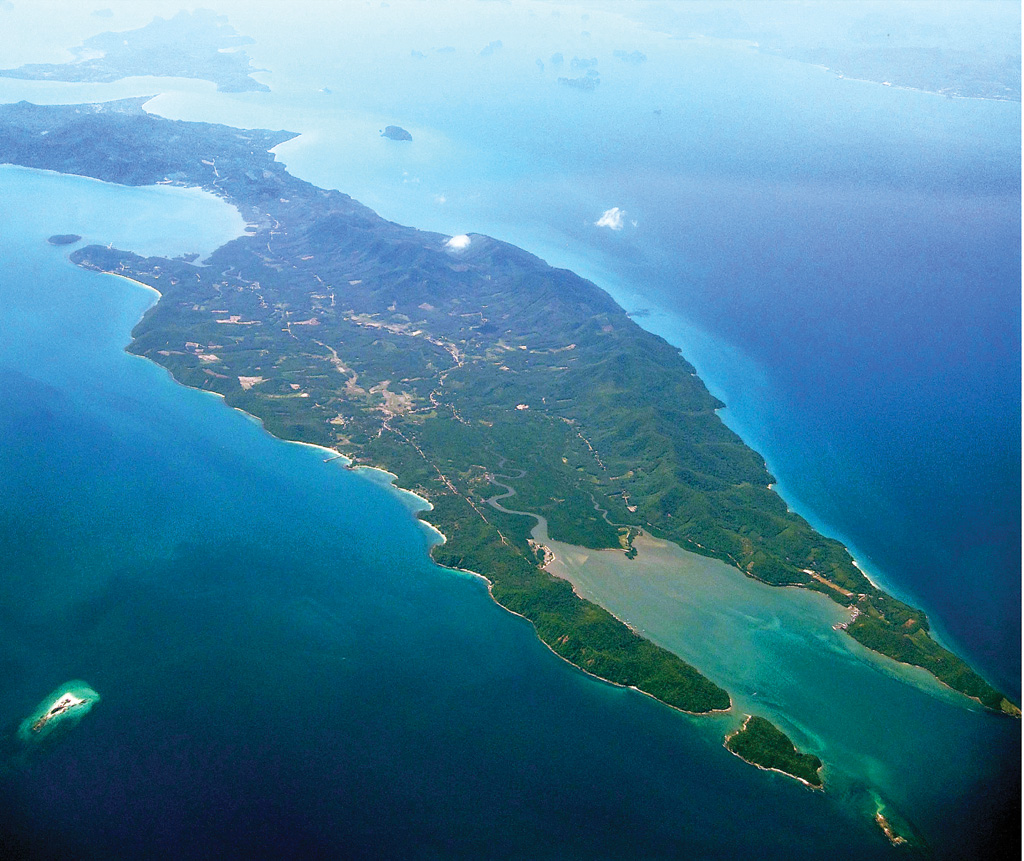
{"type": "Point", "coordinates": [64, 708]}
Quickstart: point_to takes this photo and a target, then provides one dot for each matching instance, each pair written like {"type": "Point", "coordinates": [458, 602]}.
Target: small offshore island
{"type": "Point", "coordinates": [442, 360]}
{"type": "Point", "coordinates": [64, 239]}
{"type": "Point", "coordinates": [761, 743]}
{"type": "Point", "coordinates": [62, 709]}
{"type": "Point", "coordinates": [396, 133]}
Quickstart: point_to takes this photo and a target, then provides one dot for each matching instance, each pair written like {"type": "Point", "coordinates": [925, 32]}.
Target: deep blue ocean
{"type": "Point", "coordinates": [283, 672]}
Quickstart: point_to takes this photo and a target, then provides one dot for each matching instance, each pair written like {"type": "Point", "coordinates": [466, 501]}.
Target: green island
{"type": "Point", "coordinates": [761, 743]}
{"type": "Point", "coordinates": [447, 360]}
{"type": "Point", "coordinates": [64, 239]}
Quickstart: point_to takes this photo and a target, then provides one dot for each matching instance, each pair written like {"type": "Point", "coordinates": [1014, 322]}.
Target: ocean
{"type": "Point", "coordinates": [282, 669]}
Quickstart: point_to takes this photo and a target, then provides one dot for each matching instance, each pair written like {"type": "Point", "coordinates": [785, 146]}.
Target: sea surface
{"type": "Point", "coordinates": [282, 669]}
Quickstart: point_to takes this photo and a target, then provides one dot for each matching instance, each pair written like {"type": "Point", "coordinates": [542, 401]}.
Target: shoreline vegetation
{"type": "Point", "coordinates": [762, 744]}
{"type": "Point", "coordinates": [440, 361]}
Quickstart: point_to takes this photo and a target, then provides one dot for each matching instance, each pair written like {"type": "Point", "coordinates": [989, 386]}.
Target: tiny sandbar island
{"type": "Point", "coordinates": [65, 707]}
{"type": "Point", "coordinates": [761, 743]}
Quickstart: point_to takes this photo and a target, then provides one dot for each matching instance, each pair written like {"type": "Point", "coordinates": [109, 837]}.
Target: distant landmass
{"type": "Point", "coordinates": [450, 360]}
{"type": "Point", "coordinates": [968, 50]}
{"type": "Point", "coordinates": [947, 72]}
{"type": "Point", "coordinates": [198, 44]}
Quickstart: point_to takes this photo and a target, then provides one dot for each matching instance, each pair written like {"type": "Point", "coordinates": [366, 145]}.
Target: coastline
{"type": "Point", "coordinates": [918, 677]}
{"type": "Point", "coordinates": [188, 189]}
{"type": "Point", "coordinates": [1013, 711]}
{"type": "Point", "coordinates": [332, 453]}
{"type": "Point", "coordinates": [390, 483]}
{"type": "Point", "coordinates": [392, 478]}
{"type": "Point", "coordinates": [906, 87]}
{"type": "Point", "coordinates": [770, 562]}
{"type": "Point", "coordinates": [540, 534]}
{"type": "Point", "coordinates": [703, 351]}
{"type": "Point", "coordinates": [577, 666]}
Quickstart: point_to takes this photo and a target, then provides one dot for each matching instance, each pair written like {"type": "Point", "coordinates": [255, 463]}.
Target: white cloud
{"type": "Point", "coordinates": [458, 243]}
{"type": "Point", "coordinates": [441, 198]}
{"type": "Point", "coordinates": [612, 218]}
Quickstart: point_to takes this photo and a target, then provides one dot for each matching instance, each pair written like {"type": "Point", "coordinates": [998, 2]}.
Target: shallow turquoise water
{"type": "Point", "coordinates": [881, 729]}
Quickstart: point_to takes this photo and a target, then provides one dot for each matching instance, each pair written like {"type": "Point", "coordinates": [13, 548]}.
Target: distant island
{"type": "Point", "coordinates": [64, 239]}
{"type": "Point", "coordinates": [396, 133]}
{"type": "Point", "coordinates": [198, 44]}
{"type": "Point", "coordinates": [448, 362]}
{"type": "Point", "coordinates": [587, 82]}
{"type": "Point", "coordinates": [63, 708]}
{"type": "Point", "coordinates": [761, 743]}
{"type": "Point", "coordinates": [634, 58]}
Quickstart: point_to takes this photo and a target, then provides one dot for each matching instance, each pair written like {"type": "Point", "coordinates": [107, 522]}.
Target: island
{"type": "Point", "coordinates": [396, 133]}
{"type": "Point", "coordinates": [198, 44]}
{"type": "Point", "coordinates": [898, 831]}
{"type": "Point", "coordinates": [634, 58]}
{"type": "Point", "coordinates": [447, 362]}
{"type": "Point", "coordinates": [587, 82]}
{"type": "Point", "coordinates": [64, 239]}
{"type": "Point", "coordinates": [894, 838]}
{"type": "Point", "coordinates": [63, 708]}
{"type": "Point", "coordinates": [761, 743]}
